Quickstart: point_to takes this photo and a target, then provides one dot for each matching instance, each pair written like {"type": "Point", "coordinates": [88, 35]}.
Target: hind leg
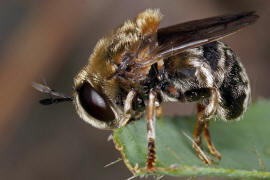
{"type": "Point", "coordinates": [198, 130]}
{"type": "Point", "coordinates": [205, 112]}
{"type": "Point", "coordinates": [208, 140]}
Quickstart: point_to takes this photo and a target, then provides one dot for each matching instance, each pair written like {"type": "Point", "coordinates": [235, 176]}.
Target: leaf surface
{"type": "Point", "coordinates": [244, 145]}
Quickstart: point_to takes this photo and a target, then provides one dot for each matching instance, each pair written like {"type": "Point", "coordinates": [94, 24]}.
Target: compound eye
{"type": "Point", "coordinates": [94, 103]}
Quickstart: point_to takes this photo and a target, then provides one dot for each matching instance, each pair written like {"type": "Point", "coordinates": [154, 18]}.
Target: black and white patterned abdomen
{"type": "Point", "coordinates": [230, 78]}
{"type": "Point", "coordinates": [213, 65]}
{"type": "Point", "coordinates": [235, 89]}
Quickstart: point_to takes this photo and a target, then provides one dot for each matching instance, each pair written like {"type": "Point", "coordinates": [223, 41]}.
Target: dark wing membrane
{"type": "Point", "coordinates": [178, 38]}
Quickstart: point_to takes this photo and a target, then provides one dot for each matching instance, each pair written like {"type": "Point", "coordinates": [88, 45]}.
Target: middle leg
{"type": "Point", "coordinates": [151, 119]}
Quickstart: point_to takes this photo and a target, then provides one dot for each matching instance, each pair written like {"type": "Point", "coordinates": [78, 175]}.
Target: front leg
{"type": "Point", "coordinates": [151, 119]}
{"type": "Point", "coordinates": [128, 108]}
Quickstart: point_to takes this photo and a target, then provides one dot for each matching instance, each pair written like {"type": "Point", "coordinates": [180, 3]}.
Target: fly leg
{"type": "Point", "coordinates": [158, 111]}
{"type": "Point", "coordinates": [205, 112]}
{"type": "Point", "coordinates": [128, 107]}
{"type": "Point", "coordinates": [198, 129]}
{"type": "Point", "coordinates": [208, 140]}
{"type": "Point", "coordinates": [151, 118]}
{"type": "Point", "coordinates": [211, 108]}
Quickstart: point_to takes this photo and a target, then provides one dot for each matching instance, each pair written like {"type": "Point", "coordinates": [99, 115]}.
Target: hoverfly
{"type": "Point", "coordinates": [137, 66]}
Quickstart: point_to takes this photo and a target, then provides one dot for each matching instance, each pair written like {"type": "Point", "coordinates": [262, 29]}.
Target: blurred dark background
{"type": "Point", "coordinates": [53, 40]}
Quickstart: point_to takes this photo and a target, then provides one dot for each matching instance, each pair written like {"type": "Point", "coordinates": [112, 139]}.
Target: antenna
{"type": "Point", "coordinates": [60, 97]}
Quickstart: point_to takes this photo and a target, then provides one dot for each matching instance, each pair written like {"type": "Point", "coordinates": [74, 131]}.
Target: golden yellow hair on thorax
{"type": "Point", "coordinates": [148, 21]}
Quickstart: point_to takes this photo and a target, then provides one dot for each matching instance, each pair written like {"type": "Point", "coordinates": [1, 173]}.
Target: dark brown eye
{"type": "Point", "coordinates": [94, 103]}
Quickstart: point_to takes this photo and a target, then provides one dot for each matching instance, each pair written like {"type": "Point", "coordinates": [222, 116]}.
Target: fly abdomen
{"type": "Point", "coordinates": [191, 75]}
{"type": "Point", "coordinates": [235, 90]}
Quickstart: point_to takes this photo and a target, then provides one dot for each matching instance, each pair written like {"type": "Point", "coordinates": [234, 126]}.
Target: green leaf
{"type": "Point", "coordinates": [244, 145]}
